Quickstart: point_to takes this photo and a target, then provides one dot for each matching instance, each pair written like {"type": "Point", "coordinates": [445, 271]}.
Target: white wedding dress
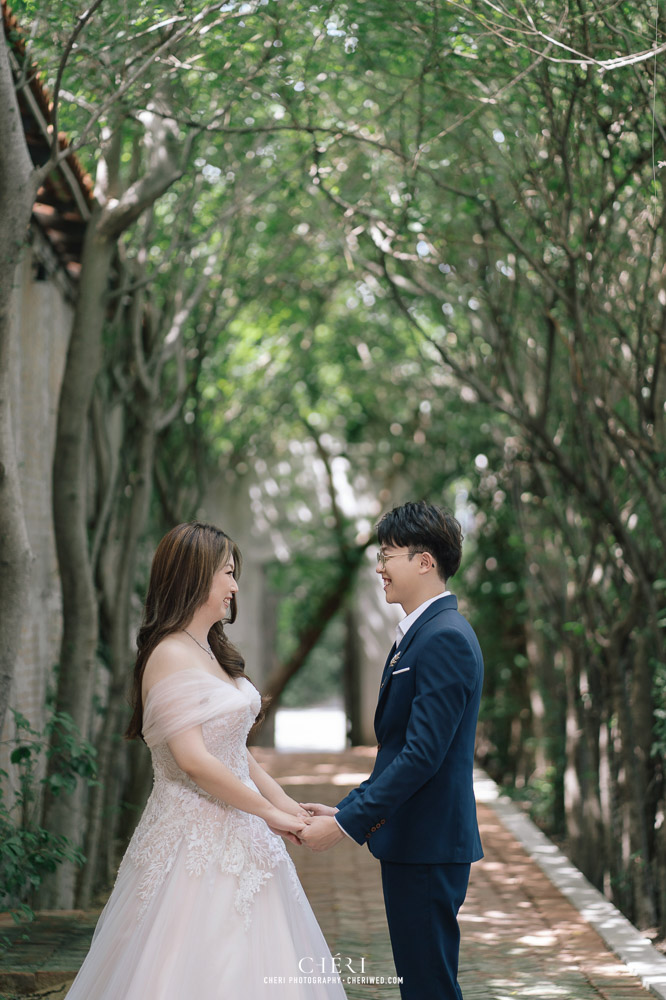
{"type": "Point", "coordinates": [207, 904]}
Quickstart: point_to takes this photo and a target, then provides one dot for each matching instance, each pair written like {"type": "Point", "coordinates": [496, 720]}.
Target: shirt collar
{"type": "Point", "coordinates": [403, 627]}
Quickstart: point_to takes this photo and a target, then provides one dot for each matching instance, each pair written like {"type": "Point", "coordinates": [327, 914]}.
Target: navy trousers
{"type": "Point", "coordinates": [422, 903]}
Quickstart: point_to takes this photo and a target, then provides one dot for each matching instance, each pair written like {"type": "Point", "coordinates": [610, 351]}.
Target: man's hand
{"type": "Point", "coordinates": [318, 809]}
{"type": "Point", "coordinates": [320, 833]}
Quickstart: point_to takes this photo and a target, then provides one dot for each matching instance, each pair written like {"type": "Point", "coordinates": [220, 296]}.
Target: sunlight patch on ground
{"type": "Point", "coordinates": [310, 729]}
{"type": "Point", "coordinates": [345, 778]}
{"type": "Point", "coordinates": [542, 939]}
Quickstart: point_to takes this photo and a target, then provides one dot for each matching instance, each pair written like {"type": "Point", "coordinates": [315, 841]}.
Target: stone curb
{"type": "Point", "coordinates": [638, 954]}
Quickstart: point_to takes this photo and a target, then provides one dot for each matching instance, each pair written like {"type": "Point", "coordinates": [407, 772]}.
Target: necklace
{"type": "Point", "coordinates": [205, 648]}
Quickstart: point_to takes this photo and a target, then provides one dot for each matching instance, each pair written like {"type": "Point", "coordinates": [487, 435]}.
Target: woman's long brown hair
{"type": "Point", "coordinates": [180, 580]}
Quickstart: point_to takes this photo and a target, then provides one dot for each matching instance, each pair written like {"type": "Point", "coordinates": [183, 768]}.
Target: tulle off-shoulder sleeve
{"type": "Point", "coordinates": [183, 700]}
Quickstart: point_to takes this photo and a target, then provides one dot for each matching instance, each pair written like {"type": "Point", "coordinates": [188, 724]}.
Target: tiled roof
{"type": "Point", "coordinates": [64, 202]}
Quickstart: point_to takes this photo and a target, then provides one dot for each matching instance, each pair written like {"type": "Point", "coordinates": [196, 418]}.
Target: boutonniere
{"type": "Point", "coordinates": [395, 659]}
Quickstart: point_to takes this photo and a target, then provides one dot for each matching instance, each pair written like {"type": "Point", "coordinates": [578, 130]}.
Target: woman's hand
{"type": "Point", "coordinates": [288, 836]}
{"type": "Point", "coordinates": [284, 824]}
{"type": "Point", "coordinates": [293, 808]}
{"type": "Point", "coordinates": [273, 791]}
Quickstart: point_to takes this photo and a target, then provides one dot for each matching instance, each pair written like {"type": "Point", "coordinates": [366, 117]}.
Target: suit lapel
{"type": "Point", "coordinates": [386, 672]}
{"type": "Point", "coordinates": [449, 603]}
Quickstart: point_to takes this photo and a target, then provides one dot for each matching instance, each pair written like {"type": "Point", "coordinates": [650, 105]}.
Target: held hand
{"type": "Point", "coordinates": [320, 833]}
{"type": "Point", "coordinates": [300, 814]}
{"type": "Point", "coordinates": [287, 836]}
{"type": "Point", "coordinates": [285, 824]}
{"type": "Point", "coordinates": [293, 808]}
{"type": "Point", "coordinates": [318, 809]}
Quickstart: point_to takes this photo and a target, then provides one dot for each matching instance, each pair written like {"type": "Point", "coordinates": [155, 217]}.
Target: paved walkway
{"type": "Point", "coordinates": [521, 937]}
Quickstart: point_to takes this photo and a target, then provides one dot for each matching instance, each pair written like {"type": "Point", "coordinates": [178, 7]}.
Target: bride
{"type": "Point", "coordinates": [206, 903]}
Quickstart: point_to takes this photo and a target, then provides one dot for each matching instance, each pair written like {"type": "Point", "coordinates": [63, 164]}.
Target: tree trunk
{"type": "Point", "coordinates": [353, 677]}
{"type": "Point", "coordinates": [263, 735]}
{"type": "Point", "coordinates": [585, 835]}
{"type": "Point", "coordinates": [76, 671]}
{"type": "Point", "coordinates": [136, 789]}
{"type": "Point", "coordinates": [17, 195]}
{"type": "Point", "coordinates": [99, 813]}
{"type": "Point", "coordinates": [644, 785]}
{"type": "Point", "coordinates": [328, 606]}
{"type": "Point", "coordinates": [636, 889]}
{"type": "Point", "coordinates": [115, 211]}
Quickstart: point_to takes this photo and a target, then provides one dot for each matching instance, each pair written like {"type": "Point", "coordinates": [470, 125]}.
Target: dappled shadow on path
{"type": "Point", "coordinates": [520, 937]}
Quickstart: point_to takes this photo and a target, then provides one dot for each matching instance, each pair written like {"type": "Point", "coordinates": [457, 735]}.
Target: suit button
{"type": "Point", "coordinates": [379, 746]}
{"type": "Point", "coordinates": [383, 821]}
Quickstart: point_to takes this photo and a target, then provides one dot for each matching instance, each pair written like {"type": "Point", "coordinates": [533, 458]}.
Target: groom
{"type": "Point", "coordinates": [416, 811]}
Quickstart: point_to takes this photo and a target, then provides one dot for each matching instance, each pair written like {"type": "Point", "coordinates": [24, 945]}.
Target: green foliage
{"type": "Point", "coordinates": [659, 674]}
{"type": "Point", "coordinates": [320, 679]}
{"type": "Point", "coordinates": [494, 588]}
{"type": "Point", "coordinates": [28, 851]}
{"type": "Point", "coordinates": [420, 245]}
{"type": "Point", "coordinates": [540, 797]}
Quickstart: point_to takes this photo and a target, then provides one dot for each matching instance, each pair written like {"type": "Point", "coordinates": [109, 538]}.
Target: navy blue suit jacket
{"type": "Point", "coordinates": [418, 804]}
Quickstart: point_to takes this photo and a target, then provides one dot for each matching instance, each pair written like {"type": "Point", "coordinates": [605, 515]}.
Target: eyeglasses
{"type": "Point", "coordinates": [383, 559]}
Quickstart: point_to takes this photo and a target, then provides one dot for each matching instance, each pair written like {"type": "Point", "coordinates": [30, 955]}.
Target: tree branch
{"type": "Point", "coordinates": [82, 20]}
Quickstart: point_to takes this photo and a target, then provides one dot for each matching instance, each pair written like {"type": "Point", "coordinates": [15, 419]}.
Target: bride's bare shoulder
{"type": "Point", "coordinates": [169, 656]}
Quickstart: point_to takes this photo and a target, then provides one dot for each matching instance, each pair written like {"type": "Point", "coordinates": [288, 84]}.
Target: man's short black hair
{"type": "Point", "coordinates": [424, 527]}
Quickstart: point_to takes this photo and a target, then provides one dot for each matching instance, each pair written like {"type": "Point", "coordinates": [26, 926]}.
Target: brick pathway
{"type": "Point", "coordinates": [521, 938]}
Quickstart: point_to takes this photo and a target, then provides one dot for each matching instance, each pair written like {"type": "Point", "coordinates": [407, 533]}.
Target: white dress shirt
{"type": "Point", "coordinates": [403, 627]}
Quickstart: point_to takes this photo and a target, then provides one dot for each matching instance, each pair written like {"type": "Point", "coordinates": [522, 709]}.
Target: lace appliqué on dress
{"type": "Point", "coordinates": [180, 816]}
